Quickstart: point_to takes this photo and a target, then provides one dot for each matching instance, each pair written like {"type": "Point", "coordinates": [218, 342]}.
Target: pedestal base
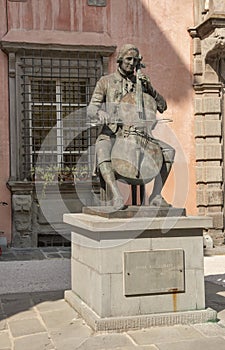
{"type": "Point", "coordinates": [137, 272]}
{"type": "Point", "coordinates": [123, 324]}
{"type": "Point", "coordinates": [134, 211]}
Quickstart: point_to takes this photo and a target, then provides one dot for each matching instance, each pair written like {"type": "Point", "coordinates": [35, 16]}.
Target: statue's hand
{"type": "Point", "coordinates": [103, 117]}
{"type": "Point", "coordinates": [145, 81]}
{"type": "Point", "coordinates": [161, 103]}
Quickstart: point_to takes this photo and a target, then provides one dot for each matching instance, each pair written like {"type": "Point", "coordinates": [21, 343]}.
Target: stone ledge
{"type": "Point", "coordinates": [123, 324]}
{"type": "Point", "coordinates": [97, 224]}
{"type": "Point", "coordinates": [204, 29]}
{"type": "Point", "coordinates": [56, 39]}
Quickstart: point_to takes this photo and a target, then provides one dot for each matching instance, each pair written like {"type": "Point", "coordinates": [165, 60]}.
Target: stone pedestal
{"type": "Point", "coordinates": [138, 272]}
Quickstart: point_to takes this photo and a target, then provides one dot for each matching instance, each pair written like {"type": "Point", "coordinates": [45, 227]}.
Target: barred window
{"type": "Point", "coordinates": [54, 94]}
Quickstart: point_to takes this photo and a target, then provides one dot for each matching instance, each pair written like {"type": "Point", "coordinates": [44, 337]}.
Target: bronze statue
{"type": "Point", "coordinates": [127, 92]}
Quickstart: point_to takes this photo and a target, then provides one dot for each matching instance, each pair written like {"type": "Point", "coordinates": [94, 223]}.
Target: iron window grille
{"type": "Point", "coordinates": [55, 91]}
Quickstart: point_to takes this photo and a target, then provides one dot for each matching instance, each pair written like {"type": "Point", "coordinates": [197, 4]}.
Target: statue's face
{"type": "Point", "coordinates": [129, 62]}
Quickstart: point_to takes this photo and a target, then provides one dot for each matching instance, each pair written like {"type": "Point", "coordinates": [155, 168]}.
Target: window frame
{"type": "Point", "coordinates": [60, 128]}
{"type": "Point", "coordinates": [14, 52]}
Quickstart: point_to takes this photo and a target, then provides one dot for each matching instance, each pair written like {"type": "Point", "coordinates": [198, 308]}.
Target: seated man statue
{"type": "Point", "coordinates": [110, 89]}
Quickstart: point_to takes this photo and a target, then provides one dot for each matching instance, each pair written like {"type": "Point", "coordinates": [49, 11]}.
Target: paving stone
{"type": "Point", "coordinates": [28, 314]}
{"type": "Point", "coordinates": [40, 297]}
{"type": "Point", "coordinates": [34, 342]}
{"type": "Point", "coordinates": [68, 343]}
{"type": "Point", "coordinates": [54, 305]}
{"type": "Point", "coordinates": [213, 299]}
{"type": "Point", "coordinates": [144, 347]}
{"type": "Point", "coordinates": [76, 329]}
{"type": "Point", "coordinates": [5, 298]}
{"type": "Point", "coordinates": [164, 334]}
{"type": "Point", "coordinates": [66, 255]}
{"type": "Point", "coordinates": [71, 336]}
{"type": "Point", "coordinates": [2, 315]}
{"type": "Point", "coordinates": [67, 249]}
{"type": "Point", "coordinates": [53, 255]}
{"type": "Point", "coordinates": [105, 342]}
{"type": "Point", "coordinates": [49, 249]}
{"type": "Point", "coordinates": [3, 325]}
{"type": "Point", "coordinates": [210, 329]}
{"type": "Point", "coordinates": [14, 304]}
{"type": "Point", "coordinates": [58, 318]}
{"type": "Point", "coordinates": [5, 340]}
{"type": "Point", "coordinates": [25, 255]}
{"type": "Point", "coordinates": [26, 327]}
{"type": "Point", "coordinates": [15, 308]}
{"type": "Point", "coordinates": [147, 347]}
{"type": "Point", "coordinates": [221, 316]}
{"type": "Point", "coordinates": [214, 343]}
{"type": "Point", "coordinates": [8, 257]}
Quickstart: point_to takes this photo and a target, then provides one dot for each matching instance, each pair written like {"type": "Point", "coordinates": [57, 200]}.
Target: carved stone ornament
{"type": "Point", "coordinates": [214, 45]}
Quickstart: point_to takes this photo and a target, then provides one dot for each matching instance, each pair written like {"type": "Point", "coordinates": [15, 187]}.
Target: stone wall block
{"type": "Point", "coordinates": [214, 196]}
{"type": "Point", "coordinates": [208, 197]}
{"type": "Point", "coordinates": [217, 236]}
{"type": "Point", "coordinates": [198, 68]}
{"type": "Point", "coordinates": [199, 127]}
{"type": "Point", "coordinates": [207, 105]}
{"type": "Point", "coordinates": [197, 79]}
{"type": "Point", "coordinates": [200, 174]}
{"type": "Point", "coordinates": [213, 174]}
{"type": "Point", "coordinates": [218, 220]}
{"type": "Point", "coordinates": [211, 105]}
{"type": "Point", "coordinates": [199, 151]}
{"type": "Point", "coordinates": [212, 128]}
{"type": "Point", "coordinates": [202, 210]}
{"type": "Point", "coordinates": [208, 151]}
{"type": "Point", "coordinates": [201, 197]}
{"type": "Point", "coordinates": [198, 105]}
{"type": "Point", "coordinates": [196, 46]}
{"type": "Point", "coordinates": [21, 203]}
{"type": "Point", "coordinates": [207, 128]}
{"type": "Point", "coordinates": [208, 174]}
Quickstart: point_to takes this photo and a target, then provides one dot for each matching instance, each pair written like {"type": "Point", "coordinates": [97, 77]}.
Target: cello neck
{"type": "Point", "coordinates": [139, 93]}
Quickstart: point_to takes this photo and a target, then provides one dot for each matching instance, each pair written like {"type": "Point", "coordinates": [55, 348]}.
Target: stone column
{"type": "Point", "coordinates": [208, 57]}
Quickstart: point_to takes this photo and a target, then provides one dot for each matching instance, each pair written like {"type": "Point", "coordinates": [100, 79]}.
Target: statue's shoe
{"type": "Point", "coordinates": [118, 203]}
{"type": "Point", "coordinates": [159, 201]}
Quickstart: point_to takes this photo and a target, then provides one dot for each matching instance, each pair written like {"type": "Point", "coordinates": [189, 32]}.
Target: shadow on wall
{"type": "Point", "coordinates": [166, 66]}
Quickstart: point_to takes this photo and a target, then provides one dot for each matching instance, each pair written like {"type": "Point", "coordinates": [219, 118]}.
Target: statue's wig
{"type": "Point", "coordinates": [124, 49]}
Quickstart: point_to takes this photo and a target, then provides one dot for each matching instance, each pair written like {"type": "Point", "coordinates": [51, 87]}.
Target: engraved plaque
{"type": "Point", "coordinates": [154, 272]}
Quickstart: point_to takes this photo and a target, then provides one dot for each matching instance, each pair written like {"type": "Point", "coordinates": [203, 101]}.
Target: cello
{"type": "Point", "coordinates": [136, 156]}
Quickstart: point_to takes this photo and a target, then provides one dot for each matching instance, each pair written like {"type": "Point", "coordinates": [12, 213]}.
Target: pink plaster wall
{"type": "Point", "coordinates": [158, 28]}
{"type": "Point", "coordinates": [5, 212]}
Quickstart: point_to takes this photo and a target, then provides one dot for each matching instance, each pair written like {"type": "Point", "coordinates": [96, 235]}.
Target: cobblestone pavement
{"type": "Point", "coordinates": [44, 321]}
{"type": "Point", "coordinates": [25, 254]}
